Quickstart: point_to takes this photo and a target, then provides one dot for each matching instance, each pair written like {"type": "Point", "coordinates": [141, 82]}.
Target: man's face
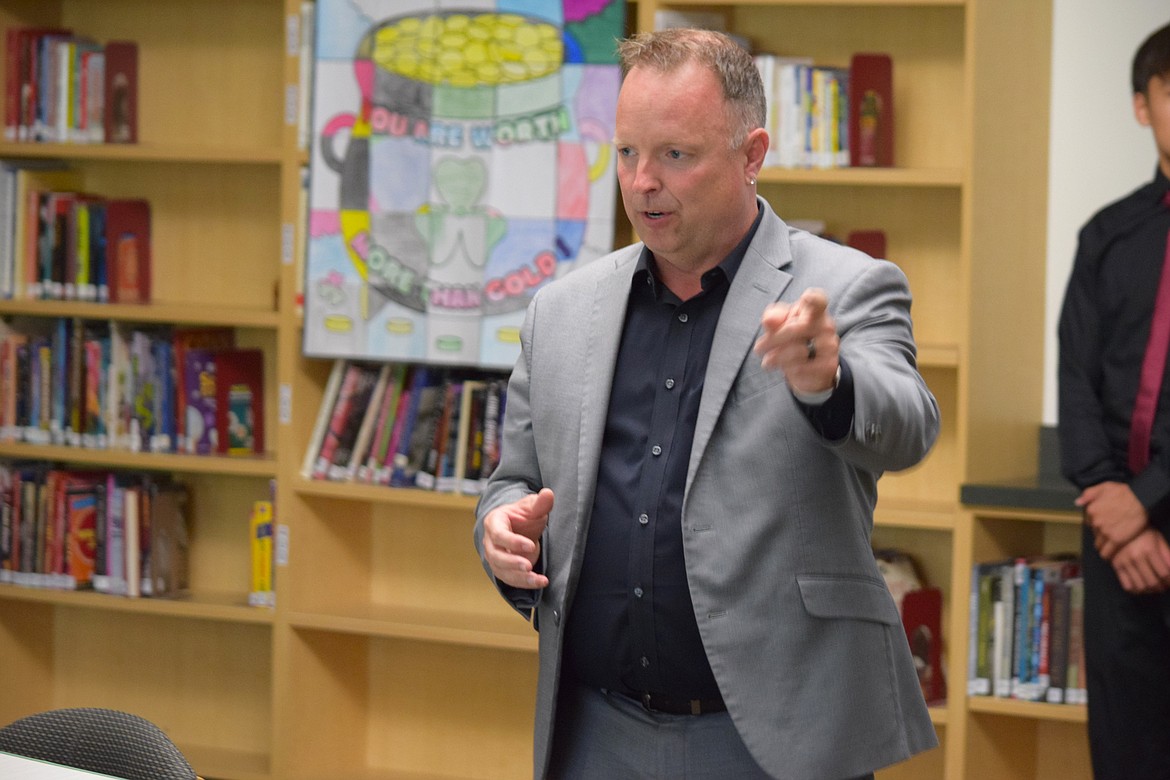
{"type": "Point", "coordinates": [1153, 111]}
{"type": "Point", "coordinates": [685, 190]}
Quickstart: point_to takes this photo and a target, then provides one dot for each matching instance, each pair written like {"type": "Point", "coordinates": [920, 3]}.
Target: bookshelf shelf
{"type": "Point", "coordinates": [939, 355]}
{"type": "Point", "coordinates": [1068, 518]}
{"type": "Point", "coordinates": [405, 497]}
{"type": "Point", "coordinates": [143, 153]}
{"type": "Point", "coordinates": [504, 631]}
{"type": "Point", "coordinates": [220, 607]}
{"type": "Point", "coordinates": [989, 705]}
{"type": "Point", "coordinates": [175, 314]}
{"type": "Point", "coordinates": [925, 515]}
{"type": "Point", "coordinates": [865, 177]}
{"type": "Point", "coordinates": [142, 461]}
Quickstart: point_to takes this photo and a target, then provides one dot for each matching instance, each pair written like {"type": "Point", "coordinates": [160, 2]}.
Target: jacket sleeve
{"type": "Point", "coordinates": [1086, 455]}
{"type": "Point", "coordinates": [518, 472]}
{"type": "Point", "coordinates": [896, 418]}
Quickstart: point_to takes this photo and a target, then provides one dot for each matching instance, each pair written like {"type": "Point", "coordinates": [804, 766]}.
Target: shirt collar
{"type": "Point", "coordinates": [1160, 186]}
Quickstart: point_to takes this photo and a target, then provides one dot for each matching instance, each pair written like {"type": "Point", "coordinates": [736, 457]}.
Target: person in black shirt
{"type": "Point", "coordinates": [692, 441]}
{"type": "Point", "coordinates": [1105, 324]}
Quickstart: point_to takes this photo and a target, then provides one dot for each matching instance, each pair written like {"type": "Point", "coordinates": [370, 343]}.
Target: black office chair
{"type": "Point", "coordinates": [99, 740]}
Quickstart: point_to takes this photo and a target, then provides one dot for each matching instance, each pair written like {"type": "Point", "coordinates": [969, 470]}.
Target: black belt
{"type": "Point", "coordinates": [672, 705]}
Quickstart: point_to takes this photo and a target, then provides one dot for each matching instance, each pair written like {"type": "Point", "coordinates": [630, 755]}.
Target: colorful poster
{"type": "Point", "coordinates": [461, 158]}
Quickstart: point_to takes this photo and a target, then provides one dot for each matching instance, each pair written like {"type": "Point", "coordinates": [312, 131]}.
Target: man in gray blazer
{"type": "Point", "coordinates": [694, 433]}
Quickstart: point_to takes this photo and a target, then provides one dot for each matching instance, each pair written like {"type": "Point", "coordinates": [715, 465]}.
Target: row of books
{"type": "Point", "coordinates": [435, 428]}
{"type": "Point", "coordinates": [123, 534]}
{"type": "Point", "coordinates": [61, 243]}
{"type": "Point", "coordinates": [65, 88]}
{"type": "Point", "coordinates": [1027, 630]}
{"type": "Point", "coordinates": [828, 117]}
{"type": "Point", "coordinates": [110, 385]}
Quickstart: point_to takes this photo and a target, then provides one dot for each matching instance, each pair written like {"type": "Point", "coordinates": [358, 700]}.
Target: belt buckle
{"type": "Point", "coordinates": [696, 705]}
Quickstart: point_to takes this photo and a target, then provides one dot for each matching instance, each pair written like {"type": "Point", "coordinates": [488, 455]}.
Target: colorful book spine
{"type": "Point", "coordinates": [262, 592]}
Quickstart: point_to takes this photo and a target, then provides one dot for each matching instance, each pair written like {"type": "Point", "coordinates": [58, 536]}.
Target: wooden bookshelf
{"type": "Point", "coordinates": [388, 655]}
{"type": "Point", "coordinates": [212, 162]}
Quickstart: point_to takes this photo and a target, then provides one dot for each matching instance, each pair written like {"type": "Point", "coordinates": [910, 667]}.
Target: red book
{"type": "Point", "coordinates": [922, 619]}
{"type": "Point", "coordinates": [239, 401]}
{"type": "Point", "coordinates": [872, 242]}
{"type": "Point", "coordinates": [121, 86]}
{"type": "Point", "coordinates": [871, 110]}
{"type": "Point", "coordinates": [184, 341]}
{"type": "Point", "coordinates": [128, 249]}
{"type": "Point", "coordinates": [12, 84]}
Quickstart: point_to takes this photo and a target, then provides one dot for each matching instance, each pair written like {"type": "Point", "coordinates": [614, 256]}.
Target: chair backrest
{"type": "Point", "coordinates": [100, 740]}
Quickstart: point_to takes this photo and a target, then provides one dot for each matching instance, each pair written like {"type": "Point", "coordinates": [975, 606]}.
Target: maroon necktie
{"type": "Point", "coordinates": [1153, 366]}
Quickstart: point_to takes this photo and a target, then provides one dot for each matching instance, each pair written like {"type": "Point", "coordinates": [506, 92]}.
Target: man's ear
{"type": "Point", "coordinates": [1141, 109]}
{"type": "Point", "coordinates": [755, 147]}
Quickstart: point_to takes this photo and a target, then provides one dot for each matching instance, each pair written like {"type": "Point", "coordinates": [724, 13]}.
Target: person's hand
{"type": "Point", "coordinates": [801, 341]}
{"type": "Point", "coordinates": [1143, 565]}
{"type": "Point", "coordinates": [1115, 515]}
{"type": "Point", "coordinates": [511, 539]}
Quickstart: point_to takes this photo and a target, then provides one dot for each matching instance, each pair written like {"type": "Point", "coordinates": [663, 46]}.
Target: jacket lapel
{"type": "Point", "coordinates": [602, 332]}
{"type": "Point", "coordinates": [758, 283]}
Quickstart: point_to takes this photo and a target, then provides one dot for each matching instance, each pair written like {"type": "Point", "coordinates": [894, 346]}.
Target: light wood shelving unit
{"type": "Point", "coordinates": [388, 655]}
{"type": "Point", "coordinates": [215, 158]}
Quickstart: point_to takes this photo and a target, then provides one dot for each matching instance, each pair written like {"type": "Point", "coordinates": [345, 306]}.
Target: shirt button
{"type": "Point", "coordinates": [683, 317]}
{"type": "Point", "coordinates": [656, 450]}
{"type": "Point", "coordinates": [643, 518]}
{"type": "Point", "coordinates": [645, 662]}
{"type": "Point", "coordinates": [638, 592]}
{"type": "Point", "coordinates": [669, 384]}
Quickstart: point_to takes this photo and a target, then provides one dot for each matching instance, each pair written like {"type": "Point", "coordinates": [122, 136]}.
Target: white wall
{"type": "Point", "coordinates": [1097, 150]}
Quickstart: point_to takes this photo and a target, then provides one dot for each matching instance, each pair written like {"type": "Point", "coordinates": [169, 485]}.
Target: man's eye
{"type": "Point", "coordinates": [674, 154]}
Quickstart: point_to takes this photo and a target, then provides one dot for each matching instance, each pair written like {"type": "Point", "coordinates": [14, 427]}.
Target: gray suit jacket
{"type": "Point", "coordinates": [802, 635]}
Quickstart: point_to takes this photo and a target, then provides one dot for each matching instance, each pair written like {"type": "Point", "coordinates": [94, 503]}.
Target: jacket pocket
{"type": "Point", "coordinates": [828, 596]}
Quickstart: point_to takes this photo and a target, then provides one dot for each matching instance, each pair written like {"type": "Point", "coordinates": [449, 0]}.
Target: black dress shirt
{"type": "Point", "coordinates": [1104, 326]}
{"type": "Point", "coordinates": [632, 627]}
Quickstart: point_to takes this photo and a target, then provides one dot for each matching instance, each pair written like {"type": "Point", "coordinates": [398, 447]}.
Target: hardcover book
{"type": "Point", "coordinates": [353, 395]}
{"type": "Point", "coordinates": [195, 385]}
{"type": "Point", "coordinates": [384, 425]}
{"type": "Point", "coordinates": [871, 110]}
{"type": "Point", "coordinates": [81, 508]}
{"type": "Point", "coordinates": [324, 416]}
{"type": "Point", "coordinates": [922, 619]}
{"type": "Point", "coordinates": [128, 249]}
{"type": "Point", "coordinates": [121, 92]}
{"type": "Point", "coordinates": [872, 242]}
{"type": "Point", "coordinates": [373, 406]}
{"type": "Point", "coordinates": [200, 435]}
{"type": "Point", "coordinates": [239, 401]}
{"type": "Point", "coordinates": [166, 573]}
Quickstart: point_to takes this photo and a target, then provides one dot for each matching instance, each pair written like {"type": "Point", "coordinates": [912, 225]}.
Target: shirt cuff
{"type": "Point", "coordinates": [1152, 488]}
{"type": "Point", "coordinates": [833, 417]}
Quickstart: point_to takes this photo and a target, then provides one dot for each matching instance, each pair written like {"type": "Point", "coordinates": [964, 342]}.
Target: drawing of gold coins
{"type": "Point", "coordinates": [464, 50]}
